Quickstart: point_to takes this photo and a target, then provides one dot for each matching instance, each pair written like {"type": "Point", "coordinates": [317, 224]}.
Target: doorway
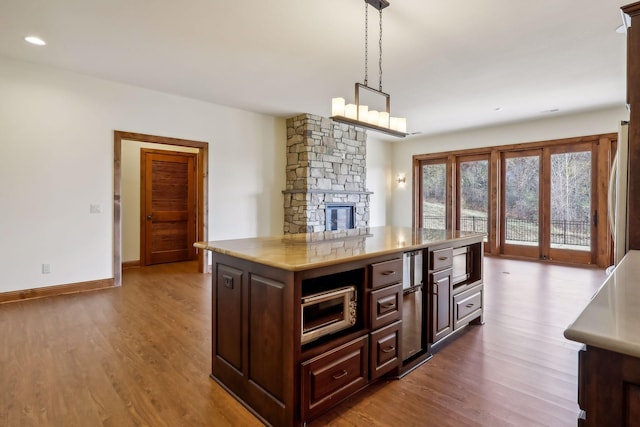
{"type": "Point", "coordinates": [201, 193]}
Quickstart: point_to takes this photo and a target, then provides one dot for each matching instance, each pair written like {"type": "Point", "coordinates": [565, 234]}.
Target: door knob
{"type": "Point", "coordinates": [148, 216]}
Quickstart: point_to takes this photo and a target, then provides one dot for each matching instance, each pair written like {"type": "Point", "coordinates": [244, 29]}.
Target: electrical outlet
{"type": "Point", "coordinates": [46, 268]}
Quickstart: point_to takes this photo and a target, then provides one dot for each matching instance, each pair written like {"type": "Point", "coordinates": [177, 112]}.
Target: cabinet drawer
{"type": "Point", "coordinates": [327, 379]}
{"type": "Point", "coordinates": [440, 259]}
{"type": "Point", "coordinates": [467, 305]}
{"type": "Point", "coordinates": [385, 305]}
{"type": "Point", "coordinates": [385, 349]}
{"type": "Point", "coordinates": [386, 273]}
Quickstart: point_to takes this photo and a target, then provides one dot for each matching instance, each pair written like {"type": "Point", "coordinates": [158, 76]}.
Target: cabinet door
{"type": "Point", "coordinates": [227, 337]}
{"type": "Point", "coordinates": [441, 318]}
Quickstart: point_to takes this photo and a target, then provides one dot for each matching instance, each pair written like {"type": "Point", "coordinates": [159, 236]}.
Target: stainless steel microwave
{"type": "Point", "coordinates": [328, 312]}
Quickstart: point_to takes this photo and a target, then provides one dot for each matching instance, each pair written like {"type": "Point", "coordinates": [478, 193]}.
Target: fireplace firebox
{"type": "Point", "coordinates": [340, 216]}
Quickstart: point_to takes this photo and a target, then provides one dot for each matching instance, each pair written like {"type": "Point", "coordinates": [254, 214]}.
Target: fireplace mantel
{"type": "Point", "coordinates": [326, 192]}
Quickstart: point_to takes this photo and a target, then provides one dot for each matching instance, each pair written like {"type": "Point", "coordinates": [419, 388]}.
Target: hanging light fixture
{"type": "Point", "coordinates": [359, 113]}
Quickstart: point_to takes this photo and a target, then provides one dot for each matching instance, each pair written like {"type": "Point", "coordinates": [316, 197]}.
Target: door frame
{"type": "Point", "coordinates": [201, 196]}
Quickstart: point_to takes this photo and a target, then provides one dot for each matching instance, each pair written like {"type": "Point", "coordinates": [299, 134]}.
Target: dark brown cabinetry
{"type": "Point", "coordinates": [441, 319]}
{"type": "Point", "coordinates": [608, 388]}
{"type": "Point", "coordinates": [385, 350]}
{"type": "Point", "coordinates": [633, 99]}
{"type": "Point", "coordinates": [385, 305]}
{"type": "Point", "coordinates": [332, 376]}
{"type": "Point", "coordinates": [385, 316]}
{"type": "Point", "coordinates": [260, 318]}
{"type": "Point", "coordinates": [467, 305]}
{"type": "Point", "coordinates": [252, 351]}
{"type": "Point", "coordinates": [456, 292]}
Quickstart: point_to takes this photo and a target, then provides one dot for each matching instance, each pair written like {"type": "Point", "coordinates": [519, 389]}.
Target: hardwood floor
{"type": "Point", "coordinates": [140, 355]}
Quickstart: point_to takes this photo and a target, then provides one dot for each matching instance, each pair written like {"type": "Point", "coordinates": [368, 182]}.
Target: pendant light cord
{"type": "Point", "coordinates": [366, 43]}
{"type": "Point", "coordinates": [380, 50]}
{"type": "Point", "coordinates": [366, 48]}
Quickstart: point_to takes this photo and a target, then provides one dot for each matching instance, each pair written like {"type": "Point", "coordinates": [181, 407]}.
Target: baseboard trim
{"type": "Point", "coordinates": [49, 291]}
{"type": "Point", "coordinates": [131, 264]}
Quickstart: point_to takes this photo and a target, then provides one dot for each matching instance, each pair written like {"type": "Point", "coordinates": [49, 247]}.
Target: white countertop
{"type": "Point", "coordinates": [611, 320]}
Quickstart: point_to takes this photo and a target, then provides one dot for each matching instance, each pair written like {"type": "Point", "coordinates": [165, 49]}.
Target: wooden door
{"type": "Point", "coordinates": [441, 315]}
{"type": "Point", "coordinates": [168, 206]}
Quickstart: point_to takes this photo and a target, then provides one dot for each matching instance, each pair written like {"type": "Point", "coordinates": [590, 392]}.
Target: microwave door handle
{"type": "Point", "coordinates": [321, 297]}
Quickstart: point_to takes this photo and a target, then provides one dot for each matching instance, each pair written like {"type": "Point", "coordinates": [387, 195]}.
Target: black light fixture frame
{"type": "Point", "coordinates": [378, 4]}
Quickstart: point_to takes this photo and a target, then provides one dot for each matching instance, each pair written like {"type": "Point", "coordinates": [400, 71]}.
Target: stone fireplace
{"type": "Point", "coordinates": [326, 166]}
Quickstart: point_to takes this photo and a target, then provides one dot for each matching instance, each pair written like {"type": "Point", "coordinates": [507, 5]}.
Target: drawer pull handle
{"type": "Point", "coordinates": [388, 273]}
{"type": "Point", "coordinates": [443, 258]}
{"type": "Point", "coordinates": [388, 305]}
{"type": "Point", "coordinates": [469, 305]}
{"type": "Point", "coordinates": [340, 375]}
{"type": "Point", "coordinates": [389, 349]}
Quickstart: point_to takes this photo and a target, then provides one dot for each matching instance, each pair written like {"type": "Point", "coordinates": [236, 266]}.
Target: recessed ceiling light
{"type": "Point", "coordinates": [497, 109]}
{"type": "Point", "coordinates": [551, 111]}
{"type": "Point", "coordinates": [35, 40]}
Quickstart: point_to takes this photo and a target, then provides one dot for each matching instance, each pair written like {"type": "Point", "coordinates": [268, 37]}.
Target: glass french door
{"type": "Point", "coordinates": [520, 229]}
{"type": "Point", "coordinates": [435, 196]}
{"type": "Point", "coordinates": [547, 203]}
{"type": "Point", "coordinates": [571, 219]}
{"type": "Point", "coordinates": [473, 195]}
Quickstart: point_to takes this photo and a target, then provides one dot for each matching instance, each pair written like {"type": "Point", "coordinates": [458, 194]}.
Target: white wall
{"type": "Point", "coordinates": [130, 194]}
{"type": "Point", "coordinates": [555, 127]}
{"type": "Point", "coordinates": [379, 164]}
{"type": "Point", "coordinates": [56, 154]}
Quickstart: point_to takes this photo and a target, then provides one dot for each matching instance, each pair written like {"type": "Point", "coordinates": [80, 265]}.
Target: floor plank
{"type": "Point", "coordinates": [140, 355]}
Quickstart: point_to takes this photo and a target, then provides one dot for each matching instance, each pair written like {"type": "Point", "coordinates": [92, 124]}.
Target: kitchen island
{"type": "Point", "coordinates": [609, 365]}
{"type": "Point", "coordinates": [304, 321]}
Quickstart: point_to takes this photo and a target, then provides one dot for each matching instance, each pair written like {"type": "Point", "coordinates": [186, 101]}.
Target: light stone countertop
{"type": "Point", "coordinates": [611, 320]}
{"type": "Point", "coordinates": [298, 252]}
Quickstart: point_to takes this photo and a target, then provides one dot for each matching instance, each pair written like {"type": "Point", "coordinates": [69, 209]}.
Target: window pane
{"type": "Point", "coordinates": [474, 195]}
{"type": "Point", "coordinates": [434, 196]}
{"type": "Point", "coordinates": [571, 201]}
{"type": "Point", "coordinates": [522, 200]}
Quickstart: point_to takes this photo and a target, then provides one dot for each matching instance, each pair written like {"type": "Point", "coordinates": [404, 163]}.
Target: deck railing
{"type": "Point", "coordinates": [563, 232]}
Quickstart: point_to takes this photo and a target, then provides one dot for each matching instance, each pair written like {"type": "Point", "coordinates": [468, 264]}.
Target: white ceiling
{"type": "Point", "coordinates": [447, 64]}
